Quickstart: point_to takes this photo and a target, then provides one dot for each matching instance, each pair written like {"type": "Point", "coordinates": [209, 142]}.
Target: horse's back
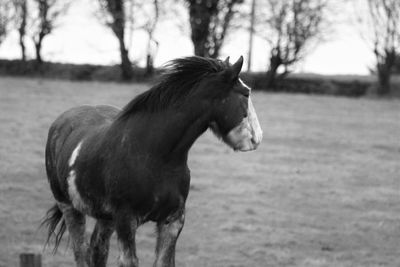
{"type": "Point", "coordinates": [65, 134]}
{"type": "Point", "coordinates": [81, 120]}
{"type": "Point", "coordinates": [86, 115]}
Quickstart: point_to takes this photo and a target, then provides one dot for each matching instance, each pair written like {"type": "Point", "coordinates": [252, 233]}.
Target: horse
{"type": "Point", "coordinates": [128, 167]}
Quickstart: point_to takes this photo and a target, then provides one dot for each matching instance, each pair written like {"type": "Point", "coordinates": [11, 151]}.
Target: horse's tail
{"type": "Point", "coordinates": [55, 224]}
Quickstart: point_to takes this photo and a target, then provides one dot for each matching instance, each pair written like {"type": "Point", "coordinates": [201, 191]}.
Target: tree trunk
{"type": "Point", "coordinates": [383, 80]}
{"type": "Point", "coordinates": [126, 65]}
{"type": "Point", "coordinates": [274, 63]}
{"type": "Point", "coordinates": [38, 46]}
{"type": "Point", "coordinates": [200, 13]}
{"type": "Point", "coordinates": [150, 54]}
{"type": "Point", "coordinates": [22, 45]}
{"type": "Point", "coordinates": [149, 65]}
{"type": "Point", "coordinates": [22, 28]}
{"type": "Point", "coordinates": [38, 50]}
{"type": "Point", "coordinates": [209, 22]}
{"type": "Point", "coordinates": [116, 9]}
{"type": "Point", "coordinates": [384, 68]}
{"type": "Point", "coordinates": [199, 48]}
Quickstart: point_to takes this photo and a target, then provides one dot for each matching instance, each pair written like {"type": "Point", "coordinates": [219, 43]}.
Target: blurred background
{"type": "Point", "coordinates": [323, 188]}
{"type": "Point", "coordinates": [355, 42]}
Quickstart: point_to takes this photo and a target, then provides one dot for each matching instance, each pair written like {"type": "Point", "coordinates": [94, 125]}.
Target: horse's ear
{"type": "Point", "coordinates": [237, 67]}
{"type": "Point", "coordinates": [227, 60]}
{"type": "Point", "coordinates": [232, 72]}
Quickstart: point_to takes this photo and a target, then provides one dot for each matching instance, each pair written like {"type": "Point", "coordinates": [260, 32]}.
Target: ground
{"type": "Point", "coordinates": [323, 189]}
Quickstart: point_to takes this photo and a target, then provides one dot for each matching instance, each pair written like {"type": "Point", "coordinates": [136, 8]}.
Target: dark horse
{"type": "Point", "coordinates": [127, 167]}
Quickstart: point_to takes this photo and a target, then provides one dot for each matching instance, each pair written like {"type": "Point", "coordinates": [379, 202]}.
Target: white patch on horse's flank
{"type": "Point", "coordinates": [73, 193]}
{"type": "Point", "coordinates": [74, 154]}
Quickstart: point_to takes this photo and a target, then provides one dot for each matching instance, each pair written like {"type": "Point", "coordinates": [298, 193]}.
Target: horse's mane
{"type": "Point", "coordinates": [179, 78]}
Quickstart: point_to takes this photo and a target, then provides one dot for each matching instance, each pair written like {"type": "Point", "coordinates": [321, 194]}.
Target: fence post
{"type": "Point", "coordinates": [30, 260]}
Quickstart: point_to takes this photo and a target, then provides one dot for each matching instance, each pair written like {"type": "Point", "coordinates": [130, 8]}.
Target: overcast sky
{"type": "Point", "coordinates": [81, 38]}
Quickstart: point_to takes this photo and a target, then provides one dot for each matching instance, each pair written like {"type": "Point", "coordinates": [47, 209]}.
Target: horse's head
{"type": "Point", "coordinates": [208, 87]}
{"type": "Point", "coordinates": [234, 116]}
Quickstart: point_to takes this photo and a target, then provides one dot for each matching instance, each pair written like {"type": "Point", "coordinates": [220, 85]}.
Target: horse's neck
{"type": "Point", "coordinates": [188, 133]}
{"type": "Point", "coordinates": [166, 135]}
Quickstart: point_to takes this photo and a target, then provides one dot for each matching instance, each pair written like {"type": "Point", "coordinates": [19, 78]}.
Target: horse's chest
{"type": "Point", "coordinates": [164, 205]}
{"type": "Point", "coordinates": [153, 193]}
{"type": "Point", "coordinates": [167, 197]}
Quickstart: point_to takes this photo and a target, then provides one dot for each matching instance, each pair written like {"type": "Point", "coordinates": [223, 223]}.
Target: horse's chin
{"type": "Point", "coordinates": [242, 137]}
{"type": "Point", "coordinates": [243, 145]}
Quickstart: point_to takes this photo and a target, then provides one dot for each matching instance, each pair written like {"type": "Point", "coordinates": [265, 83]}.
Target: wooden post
{"type": "Point", "coordinates": [30, 260]}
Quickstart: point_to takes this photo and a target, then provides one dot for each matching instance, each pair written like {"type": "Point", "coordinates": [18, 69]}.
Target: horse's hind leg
{"type": "Point", "coordinates": [168, 233]}
{"type": "Point", "coordinates": [76, 223]}
{"type": "Point", "coordinates": [100, 243]}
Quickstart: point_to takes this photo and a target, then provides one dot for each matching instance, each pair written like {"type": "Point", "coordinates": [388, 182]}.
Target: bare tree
{"type": "Point", "coordinates": [44, 19]}
{"type": "Point", "coordinates": [145, 15]}
{"type": "Point", "coordinates": [21, 17]}
{"type": "Point", "coordinates": [150, 28]}
{"type": "Point", "coordinates": [5, 18]}
{"type": "Point", "coordinates": [290, 27]}
{"type": "Point", "coordinates": [210, 21]}
{"type": "Point", "coordinates": [115, 18]}
{"type": "Point", "coordinates": [383, 20]}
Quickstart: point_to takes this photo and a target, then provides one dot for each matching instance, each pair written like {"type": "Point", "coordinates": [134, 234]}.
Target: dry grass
{"type": "Point", "coordinates": [322, 190]}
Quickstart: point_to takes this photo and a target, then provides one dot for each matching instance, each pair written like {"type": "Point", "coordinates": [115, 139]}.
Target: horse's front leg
{"type": "Point", "coordinates": [168, 233]}
{"type": "Point", "coordinates": [126, 226]}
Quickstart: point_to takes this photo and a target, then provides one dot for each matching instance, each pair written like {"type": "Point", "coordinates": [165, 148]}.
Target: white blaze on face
{"type": "Point", "coordinates": [248, 134]}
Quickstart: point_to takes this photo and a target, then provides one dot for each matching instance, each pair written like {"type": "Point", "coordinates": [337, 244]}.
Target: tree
{"type": "Point", "coordinates": [150, 27]}
{"type": "Point", "coordinates": [383, 20]}
{"type": "Point", "coordinates": [21, 17]}
{"type": "Point", "coordinates": [145, 15]}
{"type": "Point", "coordinates": [46, 14]}
{"type": "Point", "coordinates": [5, 18]}
{"type": "Point", "coordinates": [210, 21]}
{"type": "Point", "coordinates": [290, 27]}
{"type": "Point", "coordinates": [115, 18]}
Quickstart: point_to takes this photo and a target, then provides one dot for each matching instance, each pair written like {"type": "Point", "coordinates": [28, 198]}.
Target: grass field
{"type": "Point", "coordinates": [323, 189]}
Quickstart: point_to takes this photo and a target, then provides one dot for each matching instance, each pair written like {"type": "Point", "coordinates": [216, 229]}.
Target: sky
{"type": "Point", "coordinates": [81, 38]}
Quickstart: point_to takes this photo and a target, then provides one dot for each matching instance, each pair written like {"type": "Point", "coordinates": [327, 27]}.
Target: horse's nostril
{"type": "Point", "coordinates": [253, 140]}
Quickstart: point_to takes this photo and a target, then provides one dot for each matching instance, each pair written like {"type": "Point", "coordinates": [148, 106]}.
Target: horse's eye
{"type": "Point", "coordinates": [246, 94]}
